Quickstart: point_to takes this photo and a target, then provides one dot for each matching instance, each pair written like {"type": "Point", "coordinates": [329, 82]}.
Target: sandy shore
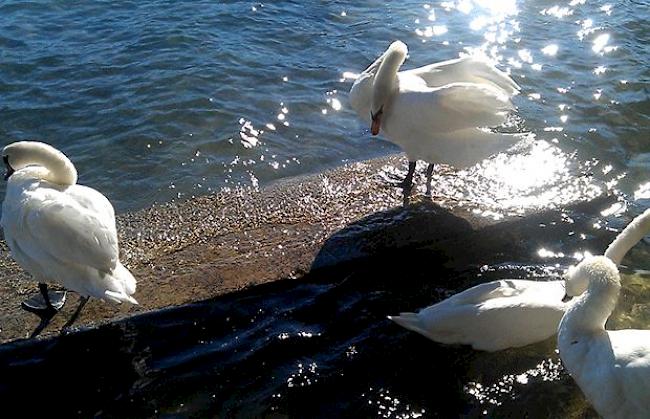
{"type": "Point", "coordinates": [189, 251]}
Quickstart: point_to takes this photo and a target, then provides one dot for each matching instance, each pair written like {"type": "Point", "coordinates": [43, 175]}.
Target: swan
{"type": "Point", "coordinates": [612, 368]}
{"type": "Point", "coordinates": [492, 316]}
{"type": "Point", "coordinates": [60, 232]}
{"type": "Point", "coordinates": [510, 313]}
{"type": "Point", "coordinates": [437, 113]}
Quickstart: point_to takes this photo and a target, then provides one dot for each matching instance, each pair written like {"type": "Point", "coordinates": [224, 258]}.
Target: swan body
{"type": "Point", "coordinates": [512, 313]}
{"type": "Point", "coordinates": [436, 113]}
{"type": "Point", "coordinates": [612, 368]}
{"type": "Point", "coordinates": [492, 316]}
{"type": "Point", "coordinates": [58, 231]}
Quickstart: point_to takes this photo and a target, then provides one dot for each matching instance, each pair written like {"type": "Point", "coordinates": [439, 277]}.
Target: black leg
{"type": "Point", "coordinates": [408, 180]}
{"type": "Point", "coordinates": [45, 315]}
{"type": "Point", "coordinates": [43, 288]}
{"type": "Point", "coordinates": [75, 315]}
{"type": "Point", "coordinates": [44, 309]}
{"type": "Point", "coordinates": [429, 174]}
{"type": "Point", "coordinates": [407, 184]}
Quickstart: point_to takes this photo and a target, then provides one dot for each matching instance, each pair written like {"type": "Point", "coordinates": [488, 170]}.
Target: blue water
{"type": "Point", "coordinates": [159, 100]}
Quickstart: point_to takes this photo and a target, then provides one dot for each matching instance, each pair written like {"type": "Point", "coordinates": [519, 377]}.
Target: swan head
{"type": "Point", "coordinates": [385, 83]}
{"type": "Point", "coordinates": [592, 272]}
{"type": "Point", "coordinates": [22, 154]}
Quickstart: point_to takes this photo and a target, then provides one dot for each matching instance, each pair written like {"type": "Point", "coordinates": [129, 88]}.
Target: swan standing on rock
{"type": "Point", "coordinates": [437, 113]}
{"type": "Point", "coordinates": [60, 232]}
{"type": "Point", "coordinates": [511, 313]}
{"type": "Point", "coordinates": [612, 368]}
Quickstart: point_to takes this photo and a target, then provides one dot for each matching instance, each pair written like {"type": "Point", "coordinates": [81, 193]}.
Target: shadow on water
{"type": "Point", "coordinates": [319, 346]}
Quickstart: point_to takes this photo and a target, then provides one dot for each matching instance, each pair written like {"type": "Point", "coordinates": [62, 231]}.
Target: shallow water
{"type": "Point", "coordinates": [160, 100]}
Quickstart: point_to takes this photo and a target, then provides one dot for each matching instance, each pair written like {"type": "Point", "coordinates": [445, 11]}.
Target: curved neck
{"type": "Point", "coordinates": [386, 78]}
{"type": "Point", "coordinates": [629, 237]}
{"type": "Point", "coordinates": [372, 68]}
{"type": "Point", "coordinates": [591, 311]}
{"type": "Point", "coordinates": [59, 169]}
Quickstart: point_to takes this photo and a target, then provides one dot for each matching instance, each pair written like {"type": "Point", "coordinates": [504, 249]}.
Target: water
{"type": "Point", "coordinates": [161, 100]}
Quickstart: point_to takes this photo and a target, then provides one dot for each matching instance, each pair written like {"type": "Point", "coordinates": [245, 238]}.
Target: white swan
{"type": "Point", "coordinates": [436, 113]}
{"type": "Point", "coordinates": [60, 232]}
{"type": "Point", "coordinates": [612, 368]}
{"type": "Point", "coordinates": [510, 313]}
{"type": "Point", "coordinates": [493, 316]}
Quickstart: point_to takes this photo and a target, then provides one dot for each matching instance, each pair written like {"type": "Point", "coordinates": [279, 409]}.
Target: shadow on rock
{"type": "Point", "coordinates": [390, 236]}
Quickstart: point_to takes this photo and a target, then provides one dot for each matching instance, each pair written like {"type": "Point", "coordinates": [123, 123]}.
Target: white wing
{"type": "Point", "coordinates": [492, 316]}
{"type": "Point", "coordinates": [74, 226]}
{"type": "Point", "coordinates": [464, 70]}
{"type": "Point", "coordinates": [450, 108]}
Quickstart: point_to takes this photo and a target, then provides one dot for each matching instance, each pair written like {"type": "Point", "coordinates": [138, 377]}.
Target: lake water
{"type": "Point", "coordinates": [156, 100]}
{"type": "Point", "coordinates": [161, 100]}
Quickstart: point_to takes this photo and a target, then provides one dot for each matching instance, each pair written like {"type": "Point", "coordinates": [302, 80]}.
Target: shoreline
{"type": "Point", "coordinates": [204, 247]}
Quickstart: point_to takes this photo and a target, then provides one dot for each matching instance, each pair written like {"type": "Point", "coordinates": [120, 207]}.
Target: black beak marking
{"type": "Point", "coordinates": [566, 298]}
{"type": "Point", "coordinates": [10, 170]}
{"type": "Point", "coordinates": [374, 116]}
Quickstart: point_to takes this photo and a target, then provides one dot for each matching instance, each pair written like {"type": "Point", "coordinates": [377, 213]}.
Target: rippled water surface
{"type": "Point", "coordinates": [160, 100]}
{"type": "Point", "coordinates": [155, 100]}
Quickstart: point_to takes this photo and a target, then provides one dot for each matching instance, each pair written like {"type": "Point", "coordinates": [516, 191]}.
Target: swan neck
{"type": "Point", "coordinates": [58, 169]}
{"type": "Point", "coordinates": [372, 68]}
{"type": "Point", "coordinates": [589, 313]}
{"type": "Point", "coordinates": [629, 237]}
{"type": "Point", "coordinates": [386, 80]}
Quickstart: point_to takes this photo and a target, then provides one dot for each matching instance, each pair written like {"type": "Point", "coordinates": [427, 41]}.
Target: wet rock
{"type": "Point", "coordinates": [188, 251]}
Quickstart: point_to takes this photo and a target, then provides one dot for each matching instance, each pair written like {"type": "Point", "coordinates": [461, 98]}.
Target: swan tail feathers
{"type": "Point", "coordinates": [122, 286]}
{"type": "Point", "coordinates": [117, 297]}
{"type": "Point", "coordinates": [410, 321]}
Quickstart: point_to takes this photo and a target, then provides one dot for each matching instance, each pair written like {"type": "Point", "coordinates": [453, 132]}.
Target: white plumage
{"type": "Point", "coordinates": [511, 313]}
{"type": "Point", "coordinates": [58, 231]}
{"type": "Point", "coordinates": [436, 113]}
{"type": "Point", "coordinates": [493, 316]}
{"type": "Point", "coordinates": [612, 368]}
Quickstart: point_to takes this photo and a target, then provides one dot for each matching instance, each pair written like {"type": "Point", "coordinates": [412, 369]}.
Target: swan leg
{"type": "Point", "coordinates": [45, 301]}
{"type": "Point", "coordinates": [429, 174]}
{"type": "Point", "coordinates": [75, 315]}
{"type": "Point", "coordinates": [45, 306]}
{"type": "Point", "coordinates": [407, 184]}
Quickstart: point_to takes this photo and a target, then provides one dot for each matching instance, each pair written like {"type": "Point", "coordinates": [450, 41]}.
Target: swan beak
{"type": "Point", "coordinates": [10, 170]}
{"type": "Point", "coordinates": [376, 122]}
{"type": "Point", "coordinates": [566, 298]}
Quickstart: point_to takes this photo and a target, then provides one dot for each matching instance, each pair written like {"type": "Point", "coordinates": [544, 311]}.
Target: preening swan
{"type": "Point", "coordinates": [510, 313]}
{"type": "Point", "coordinates": [437, 113]}
{"type": "Point", "coordinates": [612, 368]}
{"type": "Point", "coordinates": [60, 232]}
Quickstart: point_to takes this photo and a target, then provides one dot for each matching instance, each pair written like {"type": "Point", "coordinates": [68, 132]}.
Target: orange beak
{"type": "Point", "coordinates": [376, 124]}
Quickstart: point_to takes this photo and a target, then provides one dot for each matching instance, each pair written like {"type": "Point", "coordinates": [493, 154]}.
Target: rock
{"type": "Point", "coordinates": [183, 252]}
